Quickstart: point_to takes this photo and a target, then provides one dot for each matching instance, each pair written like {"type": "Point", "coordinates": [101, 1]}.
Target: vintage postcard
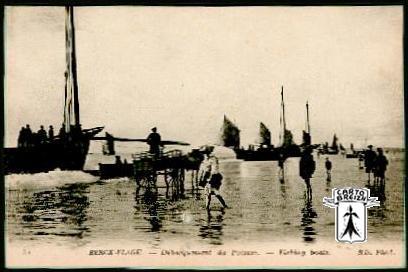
{"type": "Point", "coordinates": [204, 137]}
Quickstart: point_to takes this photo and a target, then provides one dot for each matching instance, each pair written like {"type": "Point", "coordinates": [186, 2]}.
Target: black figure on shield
{"type": "Point", "coordinates": [350, 229]}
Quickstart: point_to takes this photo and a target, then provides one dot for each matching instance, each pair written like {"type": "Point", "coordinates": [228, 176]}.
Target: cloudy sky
{"type": "Point", "coordinates": [182, 69]}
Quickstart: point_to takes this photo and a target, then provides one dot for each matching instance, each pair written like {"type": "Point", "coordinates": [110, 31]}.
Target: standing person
{"type": "Point", "coordinates": [381, 166]}
{"type": "Point", "coordinates": [154, 141]}
{"type": "Point", "coordinates": [28, 136]}
{"type": "Point", "coordinates": [51, 133]}
{"type": "Point", "coordinates": [209, 174]}
{"type": "Point", "coordinates": [307, 167]}
{"type": "Point", "coordinates": [62, 131]}
{"type": "Point", "coordinates": [42, 134]}
{"type": "Point", "coordinates": [328, 165]}
{"type": "Point", "coordinates": [369, 160]}
{"type": "Point", "coordinates": [21, 137]}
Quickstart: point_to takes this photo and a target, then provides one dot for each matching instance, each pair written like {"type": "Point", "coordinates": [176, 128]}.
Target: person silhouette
{"type": "Point", "coordinates": [154, 141]}
{"type": "Point", "coordinates": [328, 165]}
{"type": "Point", "coordinates": [307, 166]}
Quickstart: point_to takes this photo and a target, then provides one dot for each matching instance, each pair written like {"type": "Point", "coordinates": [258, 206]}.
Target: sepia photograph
{"type": "Point", "coordinates": [204, 137]}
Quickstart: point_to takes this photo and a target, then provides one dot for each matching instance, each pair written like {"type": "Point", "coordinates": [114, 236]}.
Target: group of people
{"type": "Point", "coordinates": [27, 138]}
{"type": "Point", "coordinates": [375, 163]}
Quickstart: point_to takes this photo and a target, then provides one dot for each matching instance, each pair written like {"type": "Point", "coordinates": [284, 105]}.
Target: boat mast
{"type": "Point", "coordinates": [282, 135]}
{"type": "Point", "coordinates": [283, 113]}
{"type": "Point", "coordinates": [307, 117]}
{"type": "Point", "coordinates": [74, 70]}
{"type": "Point", "coordinates": [71, 80]}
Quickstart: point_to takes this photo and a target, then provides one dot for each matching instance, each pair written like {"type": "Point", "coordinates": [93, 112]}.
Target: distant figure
{"type": "Point", "coordinates": [42, 135]}
{"type": "Point", "coordinates": [281, 164]}
{"type": "Point", "coordinates": [28, 136]}
{"type": "Point", "coordinates": [369, 160]}
{"type": "Point", "coordinates": [117, 160]}
{"type": "Point", "coordinates": [360, 160]}
{"type": "Point", "coordinates": [62, 131]}
{"type": "Point", "coordinates": [307, 167]}
{"type": "Point", "coordinates": [381, 166]}
{"type": "Point", "coordinates": [51, 133]}
{"type": "Point", "coordinates": [328, 165]}
{"type": "Point", "coordinates": [210, 176]}
{"type": "Point", "coordinates": [154, 141]}
{"type": "Point", "coordinates": [21, 137]}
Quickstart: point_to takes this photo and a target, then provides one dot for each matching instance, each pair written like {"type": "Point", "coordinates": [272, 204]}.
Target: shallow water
{"type": "Point", "coordinates": [263, 208]}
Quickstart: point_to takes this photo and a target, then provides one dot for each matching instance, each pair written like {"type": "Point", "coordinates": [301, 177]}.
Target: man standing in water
{"type": "Point", "coordinates": [307, 167]}
{"type": "Point", "coordinates": [210, 176]}
{"type": "Point", "coordinates": [369, 161]}
{"type": "Point", "coordinates": [381, 163]}
{"type": "Point", "coordinates": [328, 165]}
{"type": "Point", "coordinates": [154, 141]}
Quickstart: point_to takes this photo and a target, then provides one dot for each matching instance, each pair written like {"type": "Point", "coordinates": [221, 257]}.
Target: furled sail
{"type": "Point", "coordinates": [229, 134]}
{"type": "Point", "coordinates": [307, 138]}
{"type": "Point", "coordinates": [286, 136]}
{"type": "Point", "coordinates": [264, 135]}
{"type": "Point", "coordinates": [71, 107]}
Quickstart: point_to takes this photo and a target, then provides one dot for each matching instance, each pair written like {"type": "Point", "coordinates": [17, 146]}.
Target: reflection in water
{"type": "Point", "coordinates": [211, 228]}
{"type": "Point", "coordinates": [378, 190]}
{"type": "Point", "coordinates": [308, 214]}
{"type": "Point", "coordinates": [60, 212]}
{"type": "Point", "coordinates": [150, 205]}
{"type": "Point", "coordinates": [262, 208]}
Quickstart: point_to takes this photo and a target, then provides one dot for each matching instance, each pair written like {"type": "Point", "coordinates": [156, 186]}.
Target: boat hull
{"type": "Point", "coordinates": [65, 154]}
{"type": "Point", "coordinates": [257, 155]}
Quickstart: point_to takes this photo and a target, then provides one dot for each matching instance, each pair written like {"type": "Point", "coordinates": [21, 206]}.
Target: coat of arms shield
{"type": "Point", "coordinates": [351, 213]}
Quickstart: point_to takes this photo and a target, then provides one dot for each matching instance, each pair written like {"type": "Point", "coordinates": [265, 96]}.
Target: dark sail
{"type": "Point", "coordinates": [334, 145]}
{"type": "Point", "coordinates": [230, 134]}
{"type": "Point", "coordinates": [264, 135]}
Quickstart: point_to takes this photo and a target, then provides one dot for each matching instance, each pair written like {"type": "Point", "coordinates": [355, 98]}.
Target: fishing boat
{"type": "Point", "coordinates": [288, 148]}
{"type": "Point", "coordinates": [353, 153]}
{"type": "Point", "coordinates": [69, 149]}
{"type": "Point", "coordinates": [265, 151]}
{"type": "Point", "coordinates": [330, 150]}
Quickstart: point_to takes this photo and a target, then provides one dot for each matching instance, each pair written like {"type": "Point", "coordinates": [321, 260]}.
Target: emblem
{"type": "Point", "coordinates": [351, 206]}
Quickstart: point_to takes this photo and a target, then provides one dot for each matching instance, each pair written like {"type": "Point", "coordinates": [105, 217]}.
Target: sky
{"type": "Point", "coordinates": [182, 68]}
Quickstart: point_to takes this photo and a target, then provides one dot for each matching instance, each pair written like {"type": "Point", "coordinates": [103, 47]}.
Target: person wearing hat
{"type": "Point", "coordinates": [369, 161]}
{"type": "Point", "coordinates": [210, 178]}
{"type": "Point", "coordinates": [154, 141]}
{"type": "Point", "coordinates": [381, 163]}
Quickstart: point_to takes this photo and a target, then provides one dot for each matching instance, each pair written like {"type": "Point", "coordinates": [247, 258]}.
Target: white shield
{"type": "Point", "coordinates": [351, 206]}
{"type": "Point", "coordinates": [351, 222]}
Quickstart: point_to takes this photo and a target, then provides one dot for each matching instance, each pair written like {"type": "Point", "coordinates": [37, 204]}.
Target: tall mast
{"type": "Point", "coordinates": [71, 80]}
{"type": "Point", "coordinates": [307, 117]}
{"type": "Point", "coordinates": [74, 70]}
{"type": "Point", "coordinates": [283, 112]}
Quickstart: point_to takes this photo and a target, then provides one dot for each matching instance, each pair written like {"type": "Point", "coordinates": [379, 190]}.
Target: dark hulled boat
{"type": "Point", "coordinates": [68, 150]}
{"type": "Point", "coordinates": [264, 152]}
